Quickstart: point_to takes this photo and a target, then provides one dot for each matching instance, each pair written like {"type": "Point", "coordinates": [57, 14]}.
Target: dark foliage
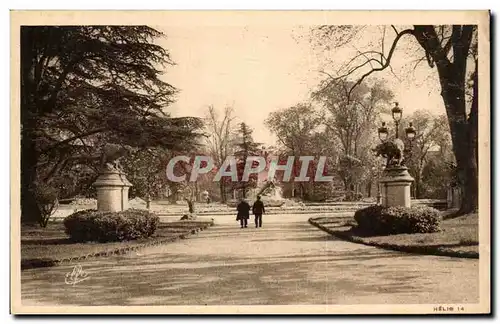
{"type": "Point", "coordinates": [246, 147]}
{"type": "Point", "coordinates": [47, 198]}
{"type": "Point", "coordinates": [92, 225]}
{"type": "Point", "coordinates": [83, 87]}
{"type": "Point", "coordinates": [379, 220]}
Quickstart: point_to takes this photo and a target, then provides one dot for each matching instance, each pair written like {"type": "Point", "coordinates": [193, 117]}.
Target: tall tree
{"type": "Point", "coordinates": [221, 139]}
{"type": "Point", "coordinates": [295, 127]}
{"type": "Point", "coordinates": [431, 132]}
{"type": "Point", "coordinates": [146, 169]}
{"type": "Point", "coordinates": [85, 85]}
{"type": "Point", "coordinates": [351, 118]}
{"type": "Point", "coordinates": [246, 147]}
{"type": "Point", "coordinates": [437, 175]}
{"type": "Point", "coordinates": [452, 50]}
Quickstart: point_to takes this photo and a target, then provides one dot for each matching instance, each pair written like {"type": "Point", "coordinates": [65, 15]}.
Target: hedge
{"type": "Point", "coordinates": [379, 220]}
{"type": "Point", "coordinates": [92, 225]}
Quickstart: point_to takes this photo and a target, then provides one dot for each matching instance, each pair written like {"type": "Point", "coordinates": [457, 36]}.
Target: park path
{"type": "Point", "coordinates": [286, 262]}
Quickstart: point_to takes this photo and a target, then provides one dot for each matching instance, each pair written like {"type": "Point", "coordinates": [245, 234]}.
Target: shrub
{"type": "Point", "coordinates": [92, 225]}
{"type": "Point", "coordinates": [378, 220]}
{"type": "Point", "coordinates": [47, 200]}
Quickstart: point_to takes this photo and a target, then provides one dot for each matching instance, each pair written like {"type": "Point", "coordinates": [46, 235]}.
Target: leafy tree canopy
{"type": "Point", "coordinates": [83, 86]}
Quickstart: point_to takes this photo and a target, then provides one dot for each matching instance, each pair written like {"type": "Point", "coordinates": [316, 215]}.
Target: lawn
{"type": "Point", "coordinates": [51, 244]}
{"type": "Point", "coordinates": [458, 236]}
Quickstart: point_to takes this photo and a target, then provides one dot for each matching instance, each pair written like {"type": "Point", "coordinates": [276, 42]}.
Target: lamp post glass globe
{"type": "Point", "coordinates": [383, 133]}
{"type": "Point", "coordinates": [410, 132]}
{"type": "Point", "coordinates": [397, 113]}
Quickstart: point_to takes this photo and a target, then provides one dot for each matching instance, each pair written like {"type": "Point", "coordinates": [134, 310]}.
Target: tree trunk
{"type": "Point", "coordinates": [464, 138]}
{"type": "Point", "coordinates": [190, 204]}
{"type": "Point", "coordinates": [452, 76]}
{"type": "Point", "coordinates": [416, 185]}
{"type": "Point", "coordinates": [302, 190]}
{"type": "Point", "coordinates": [470, 186]}
{"type": "Point", "coordinates": [222, 189]}
{"type": "Point", "coordinates": [244, 191]}
{"type": "Point", "coordinates": [30, 212]}
{"type": "Point", "coordinates": [348, 188]}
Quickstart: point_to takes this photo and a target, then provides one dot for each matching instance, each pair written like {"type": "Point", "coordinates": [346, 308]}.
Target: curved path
{"type": "Point", "coordinates": [287, 261]}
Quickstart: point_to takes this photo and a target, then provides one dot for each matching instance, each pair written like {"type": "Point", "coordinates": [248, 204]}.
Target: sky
{"type": "Point", "coordinates": [258, 69]}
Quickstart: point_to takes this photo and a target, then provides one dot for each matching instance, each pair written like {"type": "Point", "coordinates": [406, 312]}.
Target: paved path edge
{"type": "Point", "coordinates": [42, 263]}
{"type": "Point", "coordinates": [394, 247]}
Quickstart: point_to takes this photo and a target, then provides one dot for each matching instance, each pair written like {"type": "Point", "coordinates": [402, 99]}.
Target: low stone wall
{"type": "Point", "coordinates": [220, 209]}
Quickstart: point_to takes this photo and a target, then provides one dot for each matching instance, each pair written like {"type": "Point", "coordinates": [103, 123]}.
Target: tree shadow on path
{"type": "Point", "coordinates": [282, 264]}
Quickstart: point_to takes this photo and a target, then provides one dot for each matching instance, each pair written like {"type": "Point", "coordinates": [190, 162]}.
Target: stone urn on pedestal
{"type": "Point", "coordinates": [112, 190]}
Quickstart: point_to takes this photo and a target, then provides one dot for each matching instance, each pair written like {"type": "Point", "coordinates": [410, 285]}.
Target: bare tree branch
{"type": "Point", "coordinates": [359, 55]}
{"type": "Point", "coordinates": [69, 140]}
{"type": "Point", "coordinates": [393, 73]}
{"type": "Point", "coordinates": [328, 74]}
{"type": "Point", "coordinates": [333, 79]}
{"type": "Point", "coordinates": [383, 62]}
{"type": "Point", "coordinates": [372, 59]}
{"type": "Point", "coordinates": [418, 61]}
{"type": "Point", "coordinates": [387, 62]}
{"type": "Point", "coordinates": [382, 45]}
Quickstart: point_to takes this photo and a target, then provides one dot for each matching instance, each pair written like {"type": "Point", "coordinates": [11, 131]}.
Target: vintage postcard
{"type": "Point", "coordinates": [250, 162]}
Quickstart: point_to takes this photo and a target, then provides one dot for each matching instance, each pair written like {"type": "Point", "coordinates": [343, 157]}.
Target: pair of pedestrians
{"type": "Point", "coordinates": [244, 212]}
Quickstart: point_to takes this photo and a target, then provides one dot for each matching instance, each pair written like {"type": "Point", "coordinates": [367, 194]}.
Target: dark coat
{"type": "Point", "coordinates": [243, 210]}
{"type": "Point", "coordinates": [258, 208]}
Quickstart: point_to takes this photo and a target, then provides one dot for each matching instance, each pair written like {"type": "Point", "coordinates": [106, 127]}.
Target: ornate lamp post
{"type": "Point", "coordinates": [397, 114]}
{"type": "Point", "coordinates": [410, 134]}
{"type": "Point", "coordinates": [396, 181]}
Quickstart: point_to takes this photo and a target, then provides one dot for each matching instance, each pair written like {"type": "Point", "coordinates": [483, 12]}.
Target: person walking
{"type": "Point", "coordinates": [258, 209]}
{"type": "Point", "coordinates": [243, 215]}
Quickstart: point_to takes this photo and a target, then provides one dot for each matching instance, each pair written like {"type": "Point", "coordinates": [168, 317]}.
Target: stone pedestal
{"type": "Point", "coordinates": [112, 191]}
{"type": "Point", "coordinates": [395, 187]}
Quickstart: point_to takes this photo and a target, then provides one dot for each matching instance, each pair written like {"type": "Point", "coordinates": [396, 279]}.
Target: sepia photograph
{"type": "Point", "coordinates": [250, 162]}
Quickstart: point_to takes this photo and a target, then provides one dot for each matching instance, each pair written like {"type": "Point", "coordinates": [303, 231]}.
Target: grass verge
{"type": "Point", "coordinates": [459, 237]}
{"type": "Point", "coordinates": [45, 247]}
